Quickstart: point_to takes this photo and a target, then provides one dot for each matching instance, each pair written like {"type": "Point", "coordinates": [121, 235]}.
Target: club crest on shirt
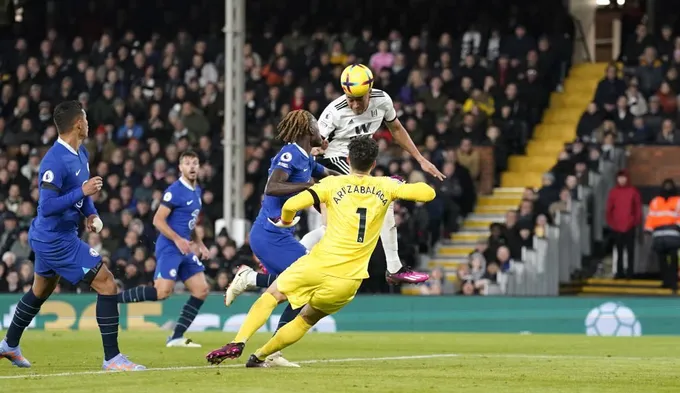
{"type": "Point", "coordinates": [48, 176]}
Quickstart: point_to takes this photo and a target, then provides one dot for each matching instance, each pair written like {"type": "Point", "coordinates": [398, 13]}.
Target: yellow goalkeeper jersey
{"type": "Point", "coordinates": [356, 207]}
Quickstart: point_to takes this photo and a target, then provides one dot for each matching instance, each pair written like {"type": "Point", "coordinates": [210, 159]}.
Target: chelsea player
{"type": "Point", "coordinates": [176, 219]}
{"type": "Point", "coordinates": [291, 172]}
{"type": "Point", "coordinates": [65, 190]}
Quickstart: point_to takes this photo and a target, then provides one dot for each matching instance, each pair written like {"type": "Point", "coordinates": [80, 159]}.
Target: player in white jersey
{"type": "Point", "coordinates": [360, 112]}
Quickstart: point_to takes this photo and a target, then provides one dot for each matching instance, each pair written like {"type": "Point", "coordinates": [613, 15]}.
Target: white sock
{"type": "Point", "coordinates": [313, 237]}
{"type": "Point", "coordinates": [388, 235]}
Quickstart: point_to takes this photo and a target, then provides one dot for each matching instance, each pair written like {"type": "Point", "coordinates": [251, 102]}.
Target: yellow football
{"type": "Point", "coordinates": [356, 80]}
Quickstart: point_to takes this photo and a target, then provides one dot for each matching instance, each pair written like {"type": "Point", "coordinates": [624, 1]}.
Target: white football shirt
{"type": "Point", "coordinates": [339, 125]}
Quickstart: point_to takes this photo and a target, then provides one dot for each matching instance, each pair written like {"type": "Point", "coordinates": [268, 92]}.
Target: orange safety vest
{"type": "Point", "coordinates": [662, 213]}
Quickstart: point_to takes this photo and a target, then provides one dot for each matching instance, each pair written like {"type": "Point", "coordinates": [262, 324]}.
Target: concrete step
{"type": "Point", "coordinates": [508, 191]}
{"type": "Point", "coordinates": [562, 115]}
{"type": "Point", "coordinates": [494, 209]}
{"type": "Point", "coordinates": [551, 148]}
{"type": "Point", "coordinates": [498, 200]}
{"type": "Point", "coordinates": [485, 217]}
{"type": "Point", "coordinates": [455, 250]}
{"type": "Point", "coordinates": [534, 164]}
{"type": "Point", "coordinates": [477, 224]}
{"type": "Point", "coordinates": [567, 136]}
{"type": "Point", "coordinates": [469, 236]}
{"type": "Point", "coordinates": [458, 243]}
{"type": "Point", "coordinates": [522, 179]}
{"type": "Point", "coordinates": [445, 265]}
{"type": "Point", "coordinates": [567, 101]}
{"type": "Point", "coordinates": [581, 89]}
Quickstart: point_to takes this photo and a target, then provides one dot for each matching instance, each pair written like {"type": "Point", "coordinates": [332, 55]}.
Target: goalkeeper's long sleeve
{"type": "Point", "coordinates": [296, 203]}
{"type": "Point", "coordinates": [417, 192]}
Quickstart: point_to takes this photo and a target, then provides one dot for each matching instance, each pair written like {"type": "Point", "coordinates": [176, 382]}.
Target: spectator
{"type": "Point", "coordinates": [640, 133]}
{"type": "Point", "coordinates": [654, 116]}
{"type": "Point", "coordinates": [635, 46]}
{"type": "Point", "coordinates": [482, 100]}
{"type": "Point", "coordinates": [622, 116]}
{"type": "Point", "coordinates": [667, 99]}
{"type": "Point", "coordinates": [650, 72]}
{"type": "Point", "coordinates": [668, 134]}
{"type": "Point", "coordinates": [468, 157]}
{"type": "Point", "coordinates": [624, 214]}
{"type": "Point", "coordinates": [636, 101]}
{"type": "Point", "coordinates": [458, 185]}
{"type": "Point", "coordinates": [563, 204]}
{"type": "Point", "coordinates": [437, 284]}
{"type": "Point", "coordinates": [13, 284]}
{"type": "Point", "coordinates": [381, 59]}
{"type": "Point", "coordinates": [20, 248]}
{"type": "Point", "coordinates": [609, 90]}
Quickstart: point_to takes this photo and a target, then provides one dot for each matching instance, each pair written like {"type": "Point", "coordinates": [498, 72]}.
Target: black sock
{"type": "Point", "coordinates": [138, 294]}
{"type": "Point", "coordinates": [264, 280]}
{"type": "Point", "coordinates": [288, 315]}
{"type": "Point", "coordinates": [107, 319]}
{"type": "Point", "coordinates": [26, 310]}
{"type": "Point", "coordinates": [187, 316]}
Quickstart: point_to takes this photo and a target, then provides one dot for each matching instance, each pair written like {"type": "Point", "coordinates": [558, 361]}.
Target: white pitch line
{"type": "Point", "coordinates": [354, 360]}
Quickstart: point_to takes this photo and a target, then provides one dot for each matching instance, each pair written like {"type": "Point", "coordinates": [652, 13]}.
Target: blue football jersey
{"type": "Point", "coordinates": [185, 203]}
{"type": "Point", "coordinates": [63, 170]}
{"type": "Point", "coordinates": [300, 168]}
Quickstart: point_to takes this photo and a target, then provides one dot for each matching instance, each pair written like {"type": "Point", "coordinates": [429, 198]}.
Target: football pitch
{"type": "Point", "coordinates": [357, 362]}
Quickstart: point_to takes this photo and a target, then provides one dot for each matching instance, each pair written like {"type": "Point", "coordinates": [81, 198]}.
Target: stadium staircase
{"type": "Point", "coordinates": [611, 287]}
{"type": "Point", "coordinates": [558, 126]}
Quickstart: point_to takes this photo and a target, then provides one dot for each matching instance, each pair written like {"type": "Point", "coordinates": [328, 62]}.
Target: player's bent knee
{"type": "Point", "coordinates": [44, 286]}
{"type": "Point", "coordinates": [163, 293]}
{"type": "Point", "coordinates": [278, 295]}
{"type": "Point", "coordinates": [104, 283]}
{"type": "Point", "coordinates": [201, 292]}
{"type": "Point", "coordinates": [311, 315]}
{"type": "Point", "coordinates": [164, 288]}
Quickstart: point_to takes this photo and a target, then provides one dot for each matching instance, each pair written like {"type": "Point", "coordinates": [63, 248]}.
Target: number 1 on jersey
{"type": "Point", "coordinates": [361, 211]}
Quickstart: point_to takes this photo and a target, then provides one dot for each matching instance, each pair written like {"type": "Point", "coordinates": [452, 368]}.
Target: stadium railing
{"type": "Point", "coordinates": [557, 256]}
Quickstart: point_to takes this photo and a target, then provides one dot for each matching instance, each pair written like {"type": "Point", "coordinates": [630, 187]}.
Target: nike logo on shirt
{"type": "Point", "coordinates": [189, 202]}
{"type": "Point", "coordinates": [78, 173]}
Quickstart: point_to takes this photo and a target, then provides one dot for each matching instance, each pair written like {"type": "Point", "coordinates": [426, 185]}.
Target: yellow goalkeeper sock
{"type": "Point", "coordinates": [257, 316]}
{"type": "Point", "coordinates": [286, 336]}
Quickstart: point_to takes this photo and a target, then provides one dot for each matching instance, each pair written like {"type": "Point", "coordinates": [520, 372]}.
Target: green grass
{"type": "Point", "coordinates": [411, 362]}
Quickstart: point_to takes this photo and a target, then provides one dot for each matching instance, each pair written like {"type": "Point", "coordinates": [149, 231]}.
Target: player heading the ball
{"type": "Point", "coordinates": [360, 112]}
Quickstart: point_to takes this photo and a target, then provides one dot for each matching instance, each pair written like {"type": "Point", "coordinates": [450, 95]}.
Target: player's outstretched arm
{"type": "Point", "coordinates": [404, 140]}
{"type": "Point", "coordinates": [278, 184]}
{"type": "Point", "coordinates": [417, 192]}
{"type": "Point", "coordinates": [299, 202]}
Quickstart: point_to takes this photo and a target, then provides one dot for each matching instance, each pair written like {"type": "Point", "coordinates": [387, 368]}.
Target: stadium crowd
{"type": "Point", "coordinates": [636, 103]}
{"type": "Point", "coordinates": [150, 95]}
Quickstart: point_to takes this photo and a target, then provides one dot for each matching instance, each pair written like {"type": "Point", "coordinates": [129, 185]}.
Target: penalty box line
{"type": "Point", "coordinates": [353, 360]}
